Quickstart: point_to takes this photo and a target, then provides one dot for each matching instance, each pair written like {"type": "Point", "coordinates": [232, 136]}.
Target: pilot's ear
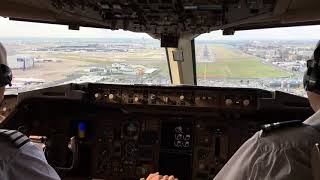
{"type": "Point", "coordinates": [3, 55]}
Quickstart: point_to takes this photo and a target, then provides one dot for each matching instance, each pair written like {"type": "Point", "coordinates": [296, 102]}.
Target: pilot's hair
{"type": "Point", "coordinates": [3, 55]}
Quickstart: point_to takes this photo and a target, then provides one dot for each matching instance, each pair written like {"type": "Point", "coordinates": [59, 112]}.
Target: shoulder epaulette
{"type": "Point", "coordinates": [16, 138]}
{"type": "Point", "coordinates": [272, 126]}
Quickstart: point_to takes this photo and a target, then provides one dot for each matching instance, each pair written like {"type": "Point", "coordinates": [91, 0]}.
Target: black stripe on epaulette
{"type": "Point", "coordinates": [23, 143]}
{"type": "Point", "coordinates": [3, 130]}
{"type": "Point", "coordinates": [10, 132]}
{"type": "Point", "coordinates": [16, 137]}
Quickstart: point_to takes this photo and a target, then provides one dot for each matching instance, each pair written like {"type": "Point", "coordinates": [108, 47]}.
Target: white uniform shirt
{"type": "Point", "coordinates": [282, 154]}
{"type": "Point", "coordinates": [26, 162]}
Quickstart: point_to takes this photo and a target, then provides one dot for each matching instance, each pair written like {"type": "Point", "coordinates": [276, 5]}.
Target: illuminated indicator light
{"type": "Point", "coordinates": [82, 130]}
{"type": "Point", "coordinates": [111, 96]}
{"type": "Point", "coordinates": [82, 134]}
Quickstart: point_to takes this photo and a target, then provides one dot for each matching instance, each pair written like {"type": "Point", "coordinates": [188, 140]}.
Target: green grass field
{"type": "Point", "coordinates": [231, 63]}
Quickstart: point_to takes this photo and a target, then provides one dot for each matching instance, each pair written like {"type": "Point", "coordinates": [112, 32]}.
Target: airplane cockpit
{"type": "Point", "coordinates": [91, 125]}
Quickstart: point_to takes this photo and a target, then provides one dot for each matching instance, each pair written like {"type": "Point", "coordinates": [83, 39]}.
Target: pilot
{"type": "Point", "coordinates": [19, 158]}
{"type": "Point", "coordinates": [281, 150]}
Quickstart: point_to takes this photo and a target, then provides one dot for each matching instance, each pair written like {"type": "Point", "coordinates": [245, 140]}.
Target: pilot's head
{"type": "Point", "coordinates": [3, 60]}
{"type": "Point", "coordinates": [311, 79]}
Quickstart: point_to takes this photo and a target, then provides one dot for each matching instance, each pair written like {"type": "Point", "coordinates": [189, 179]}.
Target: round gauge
{"type": "Point", "coordinates": [130, 129]}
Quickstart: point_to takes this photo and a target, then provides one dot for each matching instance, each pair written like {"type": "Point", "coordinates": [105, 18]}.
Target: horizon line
{"type": "Point", "coordinates": [140, 38]}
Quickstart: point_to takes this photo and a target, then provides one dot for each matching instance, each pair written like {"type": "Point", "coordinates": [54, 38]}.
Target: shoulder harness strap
{"type": "Point", "coordinates": [17, 138]}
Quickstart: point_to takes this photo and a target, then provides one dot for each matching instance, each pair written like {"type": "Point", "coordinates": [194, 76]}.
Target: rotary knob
{"type": "Point", "coordinates": [111, 97]}
{"type": "Point", "coordinates": [153, 97]}
{"type": "Point", "coordinates": [246, 102]}
{"type": "Point", "coordinates": [228, 102]}
{"type": "Point", "coordinates": [97, 96]}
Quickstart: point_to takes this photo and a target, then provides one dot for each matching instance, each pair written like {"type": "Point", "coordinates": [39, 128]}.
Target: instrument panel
{"type": "Point", "coordinates": [176, 96]}
{"type": "Point", "coordinates": [124, 132]}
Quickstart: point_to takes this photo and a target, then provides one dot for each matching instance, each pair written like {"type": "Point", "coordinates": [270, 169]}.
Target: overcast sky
{"type": "Point", "coordinates": [25, 29]}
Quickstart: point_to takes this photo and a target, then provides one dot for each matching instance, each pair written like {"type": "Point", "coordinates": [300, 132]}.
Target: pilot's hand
{"type": "Point", "coordinates": [156, 176]}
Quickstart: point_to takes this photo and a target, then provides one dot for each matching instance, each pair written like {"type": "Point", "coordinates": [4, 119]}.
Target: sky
{"type": "Point", "coordinates": [11, 29]}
